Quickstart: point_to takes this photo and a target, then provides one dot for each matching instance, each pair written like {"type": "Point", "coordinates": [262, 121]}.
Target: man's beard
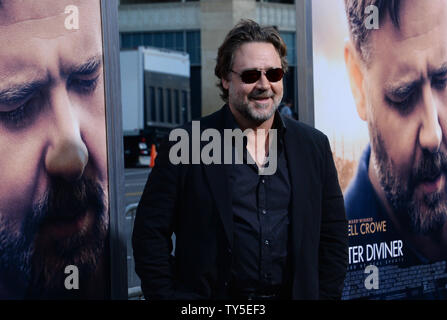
{"type": "Point", "coordinates": [39, 265]}
{"type": "Point", "coordinates": [424, 216]}
{"type": "Point", "coordinates": [252, 114]}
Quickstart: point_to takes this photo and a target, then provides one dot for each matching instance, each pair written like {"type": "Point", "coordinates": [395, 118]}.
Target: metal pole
{"type": "Point", "coordinates": [110, 33]}
{"type": "Point", "coordinates": [304, 61]}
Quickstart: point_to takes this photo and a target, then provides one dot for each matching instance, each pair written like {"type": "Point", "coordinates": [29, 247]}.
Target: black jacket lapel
{"type": "Point", "coordinates": [218, 177]}
{"type": "Point", "coordinates": [300, 199]}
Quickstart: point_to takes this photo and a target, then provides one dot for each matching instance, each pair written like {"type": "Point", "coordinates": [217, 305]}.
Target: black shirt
{"type": "Point", "coordinates": [260, 205]}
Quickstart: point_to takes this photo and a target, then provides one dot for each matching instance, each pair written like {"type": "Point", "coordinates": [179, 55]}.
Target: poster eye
{"type": "Point", "coordinates": [439, 83]}
{"type": "Point", "coordinates": [83, 84]}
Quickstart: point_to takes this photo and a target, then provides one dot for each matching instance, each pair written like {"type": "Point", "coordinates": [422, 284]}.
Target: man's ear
{"type": "Point", "coordinates": [355, 73]}
{"type": "Point", "coordinates": [225, 83]}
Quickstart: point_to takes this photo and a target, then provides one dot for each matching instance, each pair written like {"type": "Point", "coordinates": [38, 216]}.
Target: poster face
{"type": "Point", "coordinates": [54, 215]}
{"type": "Point", "coordinates": [380, 96]}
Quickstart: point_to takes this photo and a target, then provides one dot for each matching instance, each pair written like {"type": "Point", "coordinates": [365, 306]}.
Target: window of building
{"type": "Point", "coordinates": [151, 1]}
{"type": "Point", "coordinates": [278, 1]}
{"type": "Point", "coordinates": [161, 106]}
{"type": "Point", "coordinates": [176, 106]}
{"type": "Point", "coordinates": [289, 39]}
{"type": "Point", "coordinates": [193, 46]}
{"type": "Point", "coordinates": [184, 108]}
{"type": "Point", "coordinates": [150, 109]}
{"type": "Point", "coordinates": [169, 105]}
{"type": "Point", "coordinates": [185, 41]}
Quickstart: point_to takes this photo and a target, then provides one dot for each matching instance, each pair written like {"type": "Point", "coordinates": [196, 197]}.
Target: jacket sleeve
{"type": "Point", "coordinates": [333, 249]}
{"type": "Point", "coordinates": [153, 228]}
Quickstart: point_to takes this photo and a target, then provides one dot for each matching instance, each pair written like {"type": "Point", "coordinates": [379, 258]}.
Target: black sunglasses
{"type": "Point", "coordinates": [251, 76]}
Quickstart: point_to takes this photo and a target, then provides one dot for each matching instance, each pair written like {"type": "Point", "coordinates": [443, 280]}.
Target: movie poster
{"type": "Point", "coordinates": [380, 95]}
{"type": "Point", "coordinates": [54, 203]}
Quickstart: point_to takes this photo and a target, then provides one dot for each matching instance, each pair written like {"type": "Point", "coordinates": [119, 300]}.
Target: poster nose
{"type": "Point", "coordinates": [67, 154]}
{"type": "Point", "coordinates": [67, 160]}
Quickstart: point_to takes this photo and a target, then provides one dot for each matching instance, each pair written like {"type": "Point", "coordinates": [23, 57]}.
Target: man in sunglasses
{"type": "Point", "coordinates": [242, 234]}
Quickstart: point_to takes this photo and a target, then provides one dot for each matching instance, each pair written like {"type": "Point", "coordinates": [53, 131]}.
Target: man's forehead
{"type": "Point", "coordinates": [25, 47]}
{"type": "Point", "coordinates": [26, 38]}
{"type": "Point", "coordinates": [14, 11]}
{"type": "Point", "coordinates": [251, 54]}
{"type": "Point", "coordinates": [418, 46]}
{"type": "Point", "coordinates": [416, 20]}
{"type": "Point", "coordinates": [422, 17]}
{"type": "Point", "coordinates": [45, 19]}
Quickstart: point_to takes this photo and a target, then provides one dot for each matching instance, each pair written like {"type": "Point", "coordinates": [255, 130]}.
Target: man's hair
{"type": "Point", "coordinates": [355, 11]}
{"type": "Point", "coordinates": [244, 32]}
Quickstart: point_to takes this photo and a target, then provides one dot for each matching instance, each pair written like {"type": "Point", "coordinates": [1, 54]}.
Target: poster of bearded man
{"type": "Point", "coordinates": [380, 78]}
{"type": "Point", "coordinates": [59, 176]}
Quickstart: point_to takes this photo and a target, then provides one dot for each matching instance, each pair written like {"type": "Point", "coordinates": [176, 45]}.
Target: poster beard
{"type": "Point", "coordinates": [34, 262]}
{"type": "Point", "coordinates": [426, 216]}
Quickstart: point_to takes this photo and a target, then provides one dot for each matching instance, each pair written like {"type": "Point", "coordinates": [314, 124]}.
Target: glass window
{"type": "Point", "coordinates": [168, 105]}
{"type": "Point", "coordinates": [278, 1]}
{"type": "Point", "coordinates": [176, 106]}
{"type": "Point", "coordinates": [168, 40]}
{"type": "Point", "coordinates": [125, 41]}
{"type": "Point", "coordinates": [147, 39]}
{"type": "Point", "coordinates": [289, 39]}
{"type": "Point", "coordinates": [193, 46]}
{"type": "Point", "coordinates": [137, 39]}
{"type": "Point", "coordinates": [153, 114]}
{"type": "Point", "coordinates": [179, 43]}
{"type": "Point", "coordinates": [158, 40]}
{"type": "Point", "coordinates": [161, 112]}
{"type": "Point", "coordinates": [184, 106]}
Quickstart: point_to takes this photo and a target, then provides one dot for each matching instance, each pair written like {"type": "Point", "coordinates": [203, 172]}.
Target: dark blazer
{"type": "Point", "coordinates": [194, 201]}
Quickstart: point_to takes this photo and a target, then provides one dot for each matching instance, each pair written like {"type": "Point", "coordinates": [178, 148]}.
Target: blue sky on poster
{"type": "Point", "coordinates": [335, 112]}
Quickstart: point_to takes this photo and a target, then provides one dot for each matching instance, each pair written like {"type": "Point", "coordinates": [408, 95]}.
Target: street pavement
{"type": "Point", "coordinates": [135, 180]}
